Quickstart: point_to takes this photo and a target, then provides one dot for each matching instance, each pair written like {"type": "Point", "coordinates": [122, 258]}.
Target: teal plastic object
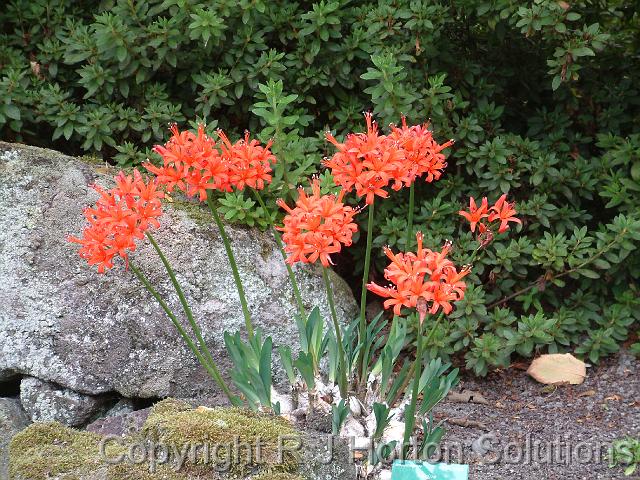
{"type": "Point", "coordinates": [411, 470]}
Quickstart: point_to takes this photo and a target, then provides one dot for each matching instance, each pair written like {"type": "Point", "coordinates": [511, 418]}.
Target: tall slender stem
{"type": "Point", "coordinates": [211, 368]}
{"type": "Point", "coordinates": [426, 341]}
{"type": "Point", "coordinates": [413, 366]}
{"type": "Point", "coordinates": [363, 295]}
{"type": "Point", "coordinates": [410, 412]}
{"type": "Point", "coordinates": [183, 299]}
{"type": "Point", "coordinates": [292, 276]}
{"type": "Point", "coordinates": [234, 267]}
{"type": "Point", "coordinates": [342, 380]}
{"type": "Point", "coordinates": [412, 195]}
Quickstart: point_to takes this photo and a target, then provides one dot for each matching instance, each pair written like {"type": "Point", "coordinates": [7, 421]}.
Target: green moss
{"type": "Point", "coordinates": [169, 406]}
{"type": "Point", "coordinates": [277, 476]}
{"type": "Point", "coordinates": [47, 450]}
{"type": "Point", "coordinates": [128, 471]}
{"type": "Point", "coordinates": [195, 211]}
{"type": "Point", "coordinates": [236, 432]}
{"type": "Point", "coordinates": [92, 160]}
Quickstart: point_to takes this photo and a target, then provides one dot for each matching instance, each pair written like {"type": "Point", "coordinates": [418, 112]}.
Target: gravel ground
{"type": "Point", "coordinates": [520, 413]}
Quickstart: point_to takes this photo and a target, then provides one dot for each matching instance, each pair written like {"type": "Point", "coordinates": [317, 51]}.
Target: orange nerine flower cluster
{"type": "Point", "coordinates": [422, 153]}
{"type": "Point", "coordinates": [369, 162]}
{"type": "Point", "coordinates": [119, 218]}
{"type": "Point", "coordinates": [502, 212]}
{"type": "Point", "coordinates": [249, 162]}
{"type": "Point", "coordinates": [195, 163]}
{"type": "Point", "coordinates": [424, 276]}
{"type": "Point", "coordinates": [317, 226]}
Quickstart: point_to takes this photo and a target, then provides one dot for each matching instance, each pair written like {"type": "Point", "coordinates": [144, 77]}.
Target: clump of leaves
{"type": "Point", "coordinates": [625, 453]}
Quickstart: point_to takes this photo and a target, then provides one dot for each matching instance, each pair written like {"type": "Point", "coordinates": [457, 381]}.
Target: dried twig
{"type": "Point", "coordinates": [467, 396]}
{"type": "Point", "coordinates": [465, 422]}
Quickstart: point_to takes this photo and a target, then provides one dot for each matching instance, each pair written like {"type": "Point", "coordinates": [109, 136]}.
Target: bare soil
{"type": "Point", "coordinates": [572, 426]}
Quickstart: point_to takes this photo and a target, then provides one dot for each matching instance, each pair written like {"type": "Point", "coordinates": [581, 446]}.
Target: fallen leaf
{"type": "Point", "coordinates": [465, 422]}
{"type": "Point", "coordinates": [467, 396]}
{"type": "Point", "coordinates": [558, 368]}
{"type": "Point", "coordinates": [588, 393]}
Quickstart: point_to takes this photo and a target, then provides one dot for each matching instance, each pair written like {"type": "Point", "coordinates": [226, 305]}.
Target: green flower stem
{"type": "Point", "coordinates": [276, 234]}
{"type": "Point", "coordinates": [234, 267]}
{"type": "Point", "coordinates": [183, 299]}
{"type": "Point", "coordinates": [209, 366]}
{"type": "Point", "coordinates": [342, 380]}
{"type": "Point", "coordinates": [410, 412]}
{"type": "Point", "coordinates": [413, 366]}
{"type": "Point", "coordinates": [426, 341]}
{"type": "Point", "coordinates": [363, 295]}
{"type": "Point", "coordinates": [412, 196]}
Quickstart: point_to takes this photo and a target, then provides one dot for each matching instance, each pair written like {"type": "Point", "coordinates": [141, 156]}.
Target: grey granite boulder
{"type": "Point", "coordinates": [13, 419]}
{"type": "Point", "coordinates": [62, 322]}
{"type": "Point", "coordinates": [120, 424]}
{"type": "Point", "coordinates": [46, 402]}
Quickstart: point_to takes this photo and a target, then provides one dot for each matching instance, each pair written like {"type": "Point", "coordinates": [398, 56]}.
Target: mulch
{"type": "Point", "coordinates": [518, 429]}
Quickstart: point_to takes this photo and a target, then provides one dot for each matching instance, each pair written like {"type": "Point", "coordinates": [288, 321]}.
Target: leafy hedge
{"type": "Point", "coordinates": [541, 97]}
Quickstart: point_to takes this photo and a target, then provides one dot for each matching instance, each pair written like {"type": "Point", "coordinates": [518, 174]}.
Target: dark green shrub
{"type": "Point", "coordinates": [540, 96]}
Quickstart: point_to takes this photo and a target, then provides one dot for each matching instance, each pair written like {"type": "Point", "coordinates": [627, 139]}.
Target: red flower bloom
{"type": "Point", "coordinates": [194, 163]}
{"type": "Point", "coordinates": [317, 226]}
{"type": "Point", "coordinates": [476, 214]}
{"type": "Point", "coordinates": [421, 152]}
{"type": "Point", "coordinates": [503, 211]}
{"type": "Point", "coordinates": [366, 161]}
{"type": "Point", "coordinates": [369, 162]}
{"type": "Point", "coordinates": [424, 276]}
{"type": "Point", "coordinates": [121, 216]}
{"type": "Point", "coordinates": [249, 162]}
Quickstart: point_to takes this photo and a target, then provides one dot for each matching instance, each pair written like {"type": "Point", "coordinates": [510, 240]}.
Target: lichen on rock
{"type": "Point", "coordinates": [44, 401]}
{"type": "Point", "coordinates": [97, 334]}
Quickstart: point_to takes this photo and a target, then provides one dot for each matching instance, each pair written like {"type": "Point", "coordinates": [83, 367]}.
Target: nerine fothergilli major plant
{"type": "Point", "coordinates": [370, 377]}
